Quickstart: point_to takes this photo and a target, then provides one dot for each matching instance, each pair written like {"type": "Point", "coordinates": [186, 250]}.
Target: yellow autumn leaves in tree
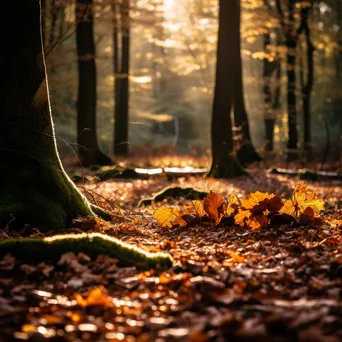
{"type": "Point", "coordinates": [253, 212]}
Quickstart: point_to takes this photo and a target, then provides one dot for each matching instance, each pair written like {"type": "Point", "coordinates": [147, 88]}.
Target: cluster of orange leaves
{"type": "Point", "coordinates": [253, 212]}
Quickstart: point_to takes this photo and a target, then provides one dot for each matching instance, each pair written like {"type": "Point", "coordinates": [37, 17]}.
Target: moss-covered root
{"type": "Point", "coordinates": [229, 169]}
{"type": "Point", "coordinates": [175, 192]}
{"type": "Point", "coordinates": [104, 214]}
{"type": "Point", "coordinates": [93, 244]}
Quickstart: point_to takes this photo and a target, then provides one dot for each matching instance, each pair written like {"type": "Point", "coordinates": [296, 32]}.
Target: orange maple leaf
{"type": "Point", "coordinates": [255, 208]}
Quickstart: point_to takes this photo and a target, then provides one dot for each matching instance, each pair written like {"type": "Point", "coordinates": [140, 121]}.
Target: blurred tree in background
{"type": "Point", "coordinates": [291, 62]}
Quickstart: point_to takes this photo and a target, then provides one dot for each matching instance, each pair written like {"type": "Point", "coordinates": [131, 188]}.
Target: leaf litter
{"type": "Point", "coordinates": [252, 262]}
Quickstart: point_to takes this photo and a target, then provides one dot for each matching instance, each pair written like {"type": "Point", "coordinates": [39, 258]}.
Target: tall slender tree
{"type": "Point", "coordinates": [245, 152]}
{"type": "Point", "coordinates": [271, 94]}
{"type": "Point", "coordinates": [89, 150]}
{"type": "Point", "coordinates": [121, 55]}
{"type": "Point", "coordinates": [306, 86]}
{"type": "Point", "coordinates": [224, 162]}
{"type": "Point", "coordinates": [288, 27]}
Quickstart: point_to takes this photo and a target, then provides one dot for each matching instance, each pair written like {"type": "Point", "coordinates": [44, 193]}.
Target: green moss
{"type": "Point", "coordinates": [92, 244]}
{"type": "Point", "coordinates": [175, 192]}
{"type": "Point", "coordinates": [39, 193]}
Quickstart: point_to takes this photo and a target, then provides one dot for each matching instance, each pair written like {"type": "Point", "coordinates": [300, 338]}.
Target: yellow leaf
{"type": "Point", "coordinates": [288, 207]}
{"type": "Point", "coordinates": [304, 198]}
{"type": "Point", "coordinates": [213, 205]}
{"type": "Point", "coordinates": [199, 208]}
{"type": "Point", "coordinates": [166, 216]}
{"type": "Point", "coordinates": [233, 205]}
{"type": "Point", "coordinates": [242, 216]}
{"type": "Point", "coordinates": [255, 199]}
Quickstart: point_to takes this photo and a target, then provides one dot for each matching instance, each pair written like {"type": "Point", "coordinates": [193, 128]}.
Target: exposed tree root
{"type": "Point", "coordinates": [93, 244]}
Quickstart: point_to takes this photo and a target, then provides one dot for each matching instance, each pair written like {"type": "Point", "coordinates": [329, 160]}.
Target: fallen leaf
{"type": "Point", "coordinates": [166, 216]}
{"type": "Point", "coordinates": [95, 297]}
{"type": "Point", "coordinates": [213, 204]}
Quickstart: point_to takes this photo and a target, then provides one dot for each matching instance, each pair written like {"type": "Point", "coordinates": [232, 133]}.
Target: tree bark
{"type": "Point", "coordinates": [269, 119]}
{"type": "Point", "coordinates": [224, 163]}
{"type": "Point", "coordinates": [291, 44]}
{"type": "Point", "coordinates": [121, 111]}
{"type": "Point", "coordinates": [89, 151]}
{"type": "Point", "coordinates": [34, 187]}
{"type": "Point", "coordinates": [308, 85]}
{"type": "Point", "coordinates": [43, 14]}
{"type": "Point", "coordinates": [246, 153]}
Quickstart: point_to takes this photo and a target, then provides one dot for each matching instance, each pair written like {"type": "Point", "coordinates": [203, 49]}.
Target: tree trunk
{"type": "Point", "coordinates": [116, 66]}
{"type": "Point", "coordinates": [43, 11]}
{"type": "Point", "coordinates": [224, 163]}
{"type": "Point", "coordinates": [291, 44]}
{"type": "Point", "coordinates": [269, 119]}
{"type": "Point", "coordinates": [89, 151]}
{"type": "Point", "coordinates": [307, 88]}
{"type": "Point", "coordinates": [34, 187]}
{"type": "Point", "coordinates": [246, 153]}
{"type": "Point", "coordinates": [122, 85]}
{"type": "Point", "coordinates": [54, 10]}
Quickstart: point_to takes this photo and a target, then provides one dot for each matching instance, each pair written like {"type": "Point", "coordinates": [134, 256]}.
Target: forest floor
{"type": "Point", "coordinates": [228, 283]}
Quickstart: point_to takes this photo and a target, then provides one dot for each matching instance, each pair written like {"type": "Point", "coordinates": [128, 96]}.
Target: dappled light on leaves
{"type": "Point", "coordinates": [304, 204]}
{"type": "Point", "coordinates": [256, 211]}
{"type": "Point", "coordinates": [166, 216]}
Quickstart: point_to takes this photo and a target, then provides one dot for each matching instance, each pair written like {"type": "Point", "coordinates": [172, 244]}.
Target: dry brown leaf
{"type": "Point", "coordinates": [257, 222]}
{"type": "Point", "coordinates": [213, 205]}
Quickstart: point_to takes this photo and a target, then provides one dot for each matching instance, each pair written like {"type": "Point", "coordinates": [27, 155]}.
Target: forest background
{"type": "Point", "coordinates": [172, 61]}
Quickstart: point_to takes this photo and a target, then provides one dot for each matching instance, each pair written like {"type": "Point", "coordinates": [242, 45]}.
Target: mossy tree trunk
{"type": "Point", "coordinates": [34, 187]}
{"type": "Point", "coordinates": [224, 162]}
{"type": "Point", "coordinates": [89, 150]}
{"type": "Point", "coordinates": [245, 152]}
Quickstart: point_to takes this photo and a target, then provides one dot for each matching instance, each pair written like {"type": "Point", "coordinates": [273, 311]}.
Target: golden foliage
{"type": "Point", "coordinates": [304, 204]}
{"type": "Point", "coordinates": [199, 208]}
{"type": "Point", "coordinates": [253, 212]}
{"type": "Point", "coordinates": [166, 216]}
